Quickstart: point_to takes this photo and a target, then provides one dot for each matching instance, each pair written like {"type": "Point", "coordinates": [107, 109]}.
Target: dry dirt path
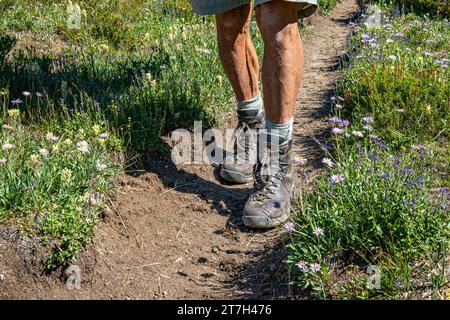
{"type": "Point", "coordinates": [175, 232]}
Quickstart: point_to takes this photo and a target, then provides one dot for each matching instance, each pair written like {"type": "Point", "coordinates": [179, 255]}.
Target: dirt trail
{"type": "Point", "coordinates": [175, 232]}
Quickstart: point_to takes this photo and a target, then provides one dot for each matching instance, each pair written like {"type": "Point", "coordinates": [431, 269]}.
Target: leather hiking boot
{"type": "Point", "coordinates": [239, 167]}
{"type": "Point", "coordinates": [270, 202]}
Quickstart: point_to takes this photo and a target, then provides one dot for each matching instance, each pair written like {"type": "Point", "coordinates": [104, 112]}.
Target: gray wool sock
{"type": "Point", "coordinates": [282, 131]}
{"type": "Point", "coordinates": [250, 108]}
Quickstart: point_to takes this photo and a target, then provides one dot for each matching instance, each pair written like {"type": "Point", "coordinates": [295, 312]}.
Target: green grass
{"type": "Point", "coordinates": [440, 8]}
{"type": "Point", "coordinates": [327, 5]}
{"type": "Point", "coordinates": [391, 207]}
{"type": "Point", "coordinates": [56, 176]}
{"type": "Point", "coordinates": [135, 69]}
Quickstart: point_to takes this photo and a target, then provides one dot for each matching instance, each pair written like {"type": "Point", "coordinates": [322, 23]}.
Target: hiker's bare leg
{"type": "Point", "coordinates": [270, 202]}
{"type": "Point", "coordinates": [241, 65]}
{"type": "Point", "coordinates": [237, 52]}
{"type": "Point", "coordinates": [283, 58]}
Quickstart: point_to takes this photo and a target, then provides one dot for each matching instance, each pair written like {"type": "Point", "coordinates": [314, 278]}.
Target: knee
{"type": "Point", "coordinates": [231, 25]}
{"type": "Point", "coordinates": [278, 25]}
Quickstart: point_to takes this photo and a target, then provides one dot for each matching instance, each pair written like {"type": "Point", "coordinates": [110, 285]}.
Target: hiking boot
{"type": "Point", "coordinates": [270, 202]}
{"type": "Point", "coordinates": [239, 167]}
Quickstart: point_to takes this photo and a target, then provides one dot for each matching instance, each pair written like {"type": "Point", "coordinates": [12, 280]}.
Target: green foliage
{"type": "Point", "coordinates": [383, 202]}
{"type": "Point", "coordinates": [424, 7]}
{"type": "Point", "coordinates": [55, 176]}
{"type": "Point", "coordinates": [327, 5]}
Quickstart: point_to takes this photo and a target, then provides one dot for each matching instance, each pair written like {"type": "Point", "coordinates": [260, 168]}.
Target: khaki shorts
{"type": "Point", "coordinates": [207, 7]}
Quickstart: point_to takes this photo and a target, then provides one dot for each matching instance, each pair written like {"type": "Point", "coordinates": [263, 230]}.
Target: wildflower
{"type": "Point", "coordinates": [51, 137]}
{"type": "Point", "coordinates": [39, 95]}
{"type": "Point", "coordinates": [399, 35]}
{"type": "Point", "coordinates": [368, 128]}
{"type": "Point", "coordinates": [205, 51]}
{"type": "Point", "coordinates": [104, 135]}
{"type": "Point", "coordinates": [96, 129]}
{"type": "Point", "coordinates": [336, 178]}
{"type": "Point", "coordinates": [7, 146]}
{"type": "Point", "coordinates": [100, 166]}
{"type": "Point", "coordinates": [419, 147]}
{"type": "Point", "coordinates": [398, 283]}
{"type": "Point", "coordinates": [34, 159]}
{"type": "Point", "coordinates": [328, 162]}
{"type": "Point", "coordinates": [299, 160]}
{"type": "Point", "coordinates": [314, 267]}
{"type": "Point", "coordinates": [302, 265]}
{"type": "Point", "coordinates": [26, 93]}
{"type": "Point", "coordinates": [318, 232]}
{"type": "Point", "coordinates": [55, 147]}
{"type": "Point", "coordinates": [13, 113]}
{"type": "Point", "coordinates": [333, 98]}
{"type": "Point", "coordinates": [358, 134]}
{"type": "Point", "coordinates": [66, 175]}
{"type": "Point", "coordinates": [368, 119]}
{"type": "Point", "coordinates": [337, 131]}
{"type": "Point", "coordinates": [67, 142]}
{"type": "Point", "coordinates": [43, 152]}
{"type": "Point", "coordinates": [339, 106]}
{"type": "Point", "coordinates": [390, 41]}
{"type": "Point", "coordinates": [401, 110]}
{"type": "Point", "coordinates": [392, 57]}
{"type": "Point", "coordinates": [365, 36]}
{"type": "Point", "coordinates": [345, 123]}
{"type": "Point", "coordinates": [385, 176]}
{"type": "Point", "coordinates": [420, 182]}
{"type": "Point", "coordinates": [16, 102]}
{"type": "Point", "coordinates": [387, 26]}
{"type": "Point", "coordinates": [7, 126]}
{"type": "Point", "coordinates": [2, 161]}
{"type": "Point", "coordinates": [289, 227]}
{"type": "Point", "coordinates": [83, 146]}
{"type": "Point", "coordinates": [373, 137]}
{"type": "Point", "coordinates": [335, 120]}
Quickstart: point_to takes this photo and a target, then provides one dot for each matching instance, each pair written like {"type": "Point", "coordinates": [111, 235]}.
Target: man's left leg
{"type": "Point", "coordinates": [282, 70]}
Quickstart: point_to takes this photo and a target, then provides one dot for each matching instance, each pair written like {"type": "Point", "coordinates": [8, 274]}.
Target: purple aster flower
{"type": "Point", "coordinates": [289, 227]}
{"type": "Point", "coordinates": [345, 123]}
{"type": "Point", "coordinates": [339, 106]}
{"type": "Point", "coordinates": [388, 26]}
{"type": "Point", "coordinates": [337, 131]}
{"type": "Point", "coordinates": [328, 162]}
{"type": "Point", "coordinates": [336, 178]}
{"type": "Point", "coordinates": [318, 232]}
{"type": "Point", "coordinates": [368, 119]}
{"type": "Point", "coordinates": [302, 265]}
{"type": "Point", "coordinates": [393, 58]}
{"type": "Point", "coordinates": [16, 102]}
{"type": "Point", "coordinates": [314, 267]}
{"type": "Point", "coordinates": [335, 120]}
{"type": "Point", "coordinates": [358, 134]}
{"type": "Point", "coordinates": [399, 35]}
{"type": "Point", "coordinates": [373, 137]}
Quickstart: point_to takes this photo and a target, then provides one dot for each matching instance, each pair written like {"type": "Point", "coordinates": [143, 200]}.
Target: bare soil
{"type": "Point", "coordinates": [175, 232]}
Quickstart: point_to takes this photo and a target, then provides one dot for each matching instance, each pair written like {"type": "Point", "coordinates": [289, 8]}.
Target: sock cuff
{"type": "Point", "coordinates": [280, 126]}
{"type": "Point", "coordinates": [254, 103]}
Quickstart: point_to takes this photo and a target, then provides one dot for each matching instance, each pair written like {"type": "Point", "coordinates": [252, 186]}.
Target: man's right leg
{"type": "Point", "coordinates": [241, 65]}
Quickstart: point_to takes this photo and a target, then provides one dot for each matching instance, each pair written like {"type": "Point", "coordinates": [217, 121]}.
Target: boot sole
{"type": "Point", "coordinates": [258, 222]}
{"type": "Point", "coordinates": [235, 177]}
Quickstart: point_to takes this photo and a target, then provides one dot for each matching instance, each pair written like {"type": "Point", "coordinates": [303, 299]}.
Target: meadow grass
{"type": "Point", "coordinates": [71, 99]}
{"type": "Point", "coordinates": [384, 201]}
